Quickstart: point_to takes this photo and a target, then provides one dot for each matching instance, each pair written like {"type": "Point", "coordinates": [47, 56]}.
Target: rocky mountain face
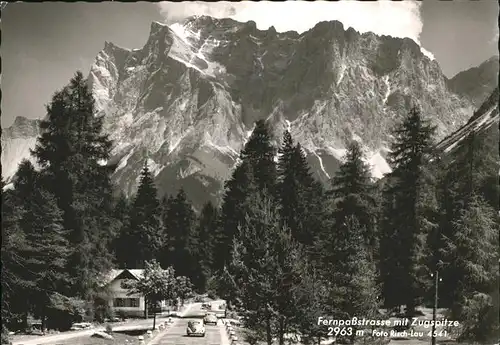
{"type": "Point", "coordinates": [484, 123]}
{"type": "Point", "coordinates": [188, 99]}
{"type": "Point", "coordinates": [17, 140]}
{"type": "Point", "coordinates": [477, 83]}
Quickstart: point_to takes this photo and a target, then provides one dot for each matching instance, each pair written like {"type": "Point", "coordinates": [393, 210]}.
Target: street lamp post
{"type": "Point", "coordinates": [434, 309]}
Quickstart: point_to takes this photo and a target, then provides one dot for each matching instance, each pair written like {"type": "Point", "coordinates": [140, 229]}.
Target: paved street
{"type": "Point", "coordinates": [130, 325]}
{"type": "Point", "coordinates": [176, 334]}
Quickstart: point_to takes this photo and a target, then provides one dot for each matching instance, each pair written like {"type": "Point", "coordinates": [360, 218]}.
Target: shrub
{"type": "Point", "coordinates": [121, 314]}
{"type": "Point", "coordinates": [109, 329]}
{"type": "Point", "coordinates": [251, 337]}
{"type": "Point", "coordinates": [480, 319]}
{"type": "Point", "coordinates": [5, 336]}
{"type": "Point", "coordinates": [64, 311]}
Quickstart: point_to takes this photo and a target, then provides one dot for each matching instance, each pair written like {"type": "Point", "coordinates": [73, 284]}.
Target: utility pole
{"type": "Point", "coordinates": [434, 309]}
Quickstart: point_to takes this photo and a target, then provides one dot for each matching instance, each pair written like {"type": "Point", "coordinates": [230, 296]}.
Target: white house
{"type": "Point", "coordinates": [121, 302]}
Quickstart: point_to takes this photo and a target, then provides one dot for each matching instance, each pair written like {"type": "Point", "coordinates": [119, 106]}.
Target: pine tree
{"type": "Point", "coordinates": [145, 222]}
{"type": "Point", "coordinates": [165, 253]}
{"type": "Point", "coordinates": [470, 170]}
{"type": "Point", "coordinates": [355, 275]}
{"type": "Point", "coordinates": [353, 193]}
{"type": "Point", "coordinates": [259, 153]}
{"type": "Point", "coordinates": [182, 246]}
{"type": "Point", "coordinates": [233, 212]}
{"type": "Point", "coordinates": [391, 269]}
{"type": "Point", "coordinates": [310, 296]}
{"type": "Point", "coordinates": [207, 236]}
{"type": "Point", "coordinates": [409, 156]}
{"type": "Point", "coordinates": [471, 253]}
{"type": "Point", "coordinates": [121, 243]}
{"type": "Point", "coordinates": [70, 151]}
{"type": "Point", "coordinates": [474, 168]}
{"type": "Point", "coordinates": [24, 180]}
{"type": "Point", "coordinates": [14, 281]}
{"type": "Point", "coordinates": [47, 250]}
{"type": "Point", "coordinates": [298, 192]}
{"type": "Point", "coordinates": [265, 271]}
{"type": "Point", "coordinates": [256, 168]}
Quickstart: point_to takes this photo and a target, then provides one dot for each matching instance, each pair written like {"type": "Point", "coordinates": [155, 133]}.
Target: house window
{"type": "Point", "coordinates": [126, 302]}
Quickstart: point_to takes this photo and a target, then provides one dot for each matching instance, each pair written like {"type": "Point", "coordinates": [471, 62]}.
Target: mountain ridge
{"type": "Point", "coordinates": [189, 97]}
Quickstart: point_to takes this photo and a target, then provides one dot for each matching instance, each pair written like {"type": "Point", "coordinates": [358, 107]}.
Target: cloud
{"type": "Point", "coordinates": [397, 19]}
{"type": "Point", "coordinates": [496, 35]}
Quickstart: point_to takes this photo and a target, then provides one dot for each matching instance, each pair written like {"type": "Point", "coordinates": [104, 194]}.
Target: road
{"type": "Point", "coordinates": [176, 333]}
{"type": "Point", "coordinates": [130, 325]}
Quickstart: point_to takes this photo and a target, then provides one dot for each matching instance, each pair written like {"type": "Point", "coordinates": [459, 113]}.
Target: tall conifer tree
{"type": "Point", "coordinates": [207, 236]}
{"type": "Point", "coordinates": [47, 250]}
{"type": "Point", "coordinates": [180, 229]}
{"type": "Point", "coordinates": [256, 168]}
{"type": "Point", "coordinates": [15, 284]}
{"type": "Point", "coordinates": [121, 242]}
{"type": "Point", "coordinates": [471, 254]}
{"type": "Point", "coordinates": [145, 222]}
{"type": "Point", "coordinates": [299, 194]}
{"type": "Point", "coordinates": [71, 151]}
{"type": "Point", "coordinates": [409, 187]}
{"type": "Point", "coordinates": [354, 194]}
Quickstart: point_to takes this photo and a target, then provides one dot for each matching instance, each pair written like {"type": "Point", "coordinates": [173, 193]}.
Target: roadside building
{"type": "Point", "coordinates": [123, 304]}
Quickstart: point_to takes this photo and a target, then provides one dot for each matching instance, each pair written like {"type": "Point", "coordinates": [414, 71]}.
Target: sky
{"type": "Point", "coordinates": [44, 44]}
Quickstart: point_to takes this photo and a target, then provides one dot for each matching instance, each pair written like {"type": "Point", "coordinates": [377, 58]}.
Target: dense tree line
{"type": "Point", "coordinates": [64, 228]}
{"type": "Point", "coordinates": [282, 248]}
{"type": "Point", "coordinates": [362, 244]}
{"type": "Point", "coordinates": [59, 217]}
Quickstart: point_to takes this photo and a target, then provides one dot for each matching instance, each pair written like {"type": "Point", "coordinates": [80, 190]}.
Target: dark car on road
{"type": "Point", "coordinates": [196, 328]}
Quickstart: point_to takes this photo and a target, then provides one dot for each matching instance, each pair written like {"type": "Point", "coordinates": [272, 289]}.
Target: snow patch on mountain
{"type": "Point", "coordinates": [379, 166]}
{"type": "Point", "coordinates": [388, 89]}
{"type": "Point", "coordinates": [154, 167]}
{"type": "Point", "coordinates": [190, 170]}
{"type": "Point", "coordinates": [183, 50]}
{"type": "Point", "coordinates": [339, 154]}
{"type": "Point", "coordinates": [321, 165]}
{"type": "Point", "coordinates": [124, 161]}
{"type": "Point", "coordinates": [217, 143]}
{"type": "Point", "coordinates": [341, 74]}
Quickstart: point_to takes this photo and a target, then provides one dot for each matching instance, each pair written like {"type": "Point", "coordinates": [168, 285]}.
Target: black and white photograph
{"type": "Point", "coordinates": [250, 173]}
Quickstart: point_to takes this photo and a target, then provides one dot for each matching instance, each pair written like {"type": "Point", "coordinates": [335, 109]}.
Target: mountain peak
{"type": "Point", "coordinates": [110, 47]}
{"type": "Point", "coordinates": [331, 25]}
{"type": "Point", "coordinates": [157, 27]}
{"type": "Point", "coordinates": [476, 83]}
{"type": "Point", "coordinates": [21, 120]}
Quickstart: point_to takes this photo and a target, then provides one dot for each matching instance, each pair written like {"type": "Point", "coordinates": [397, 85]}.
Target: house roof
{"type": "Point", "coordinates": [137, 273]}
{"type": "Point", "coordinates": [115, 273]}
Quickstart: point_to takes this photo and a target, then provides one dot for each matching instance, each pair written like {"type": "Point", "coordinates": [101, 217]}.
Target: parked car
{"type": "Point", "coordinates": [210, 318]}
{"type": "Point", "coordinates": [81, 325]}
{"type": "Point", "coordinates": [196, 328]}
{"type": "Point", "coordinates": [35, 329]}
